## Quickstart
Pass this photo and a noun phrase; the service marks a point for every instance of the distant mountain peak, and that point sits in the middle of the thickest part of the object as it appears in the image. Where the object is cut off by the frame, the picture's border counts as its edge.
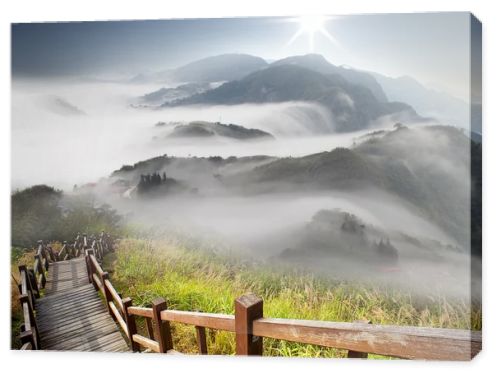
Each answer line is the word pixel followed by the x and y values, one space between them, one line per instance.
pixel 224 67
pixel 320 64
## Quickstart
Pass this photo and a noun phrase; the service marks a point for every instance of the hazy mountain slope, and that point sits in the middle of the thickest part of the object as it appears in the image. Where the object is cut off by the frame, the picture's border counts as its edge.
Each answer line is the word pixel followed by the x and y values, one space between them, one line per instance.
pixel 353 106
pixel 203 129
pixel 337 169
pixel 427 102
pixel 225 67
pixel 61 106
pixel 319 64
pixel 163 95
pixel 428 168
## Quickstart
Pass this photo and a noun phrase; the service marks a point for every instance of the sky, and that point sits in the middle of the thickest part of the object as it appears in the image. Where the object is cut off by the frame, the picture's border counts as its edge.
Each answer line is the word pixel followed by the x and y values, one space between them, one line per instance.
pixel 431 47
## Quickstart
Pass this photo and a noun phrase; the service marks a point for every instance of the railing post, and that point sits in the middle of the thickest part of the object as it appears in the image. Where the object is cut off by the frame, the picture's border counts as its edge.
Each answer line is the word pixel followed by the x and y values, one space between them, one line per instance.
pixel 34 328
pixel 88 264
pixel 131 326
pixel 33 283
pixel 247 308
pixel 42 252
pixel 161 328
pixel 201 339
pixel 149 328
pixel 41 270
pixel 31 294
pixel 92 270
pixel 51 253
pixel 107 293
pixel 358 354
pixel 26 336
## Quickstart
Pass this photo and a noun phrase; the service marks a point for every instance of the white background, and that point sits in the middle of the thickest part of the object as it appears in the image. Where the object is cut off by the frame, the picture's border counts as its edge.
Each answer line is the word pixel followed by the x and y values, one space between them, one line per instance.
pixel 14 362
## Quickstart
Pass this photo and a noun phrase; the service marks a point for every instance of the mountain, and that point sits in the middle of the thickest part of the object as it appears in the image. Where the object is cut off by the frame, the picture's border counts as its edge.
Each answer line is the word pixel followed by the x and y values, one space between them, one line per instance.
pixel 353 106
pixel 164 95
pixel 342 235
pixel 219 68
pixel 204 129
pixel 225 67
pixel 428 102
pixel 426 168
pixel 61 106
pixel 318 63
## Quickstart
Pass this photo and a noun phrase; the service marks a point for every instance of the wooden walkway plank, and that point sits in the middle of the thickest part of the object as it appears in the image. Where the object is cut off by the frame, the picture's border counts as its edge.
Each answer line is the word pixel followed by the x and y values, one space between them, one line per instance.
pixel 72 316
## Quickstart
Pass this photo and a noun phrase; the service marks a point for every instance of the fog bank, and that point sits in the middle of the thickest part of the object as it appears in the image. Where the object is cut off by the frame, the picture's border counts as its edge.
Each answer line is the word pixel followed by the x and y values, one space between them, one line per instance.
pixel 75 132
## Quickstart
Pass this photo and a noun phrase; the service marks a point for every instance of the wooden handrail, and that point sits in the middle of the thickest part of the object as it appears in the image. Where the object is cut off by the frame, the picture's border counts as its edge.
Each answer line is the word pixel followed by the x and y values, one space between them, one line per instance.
pixel 32 281
pixel 206 320
pixel 397 341
pixel 146 342
pixel 98 282
pixel 249 325
pixel 96 265
pixel 114 294
pixel 119 318
pixel 29 330
pixel 141 311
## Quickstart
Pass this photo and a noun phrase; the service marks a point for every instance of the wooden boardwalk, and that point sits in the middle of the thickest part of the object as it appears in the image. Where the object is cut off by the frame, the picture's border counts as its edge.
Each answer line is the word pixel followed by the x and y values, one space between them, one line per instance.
pixel 71 316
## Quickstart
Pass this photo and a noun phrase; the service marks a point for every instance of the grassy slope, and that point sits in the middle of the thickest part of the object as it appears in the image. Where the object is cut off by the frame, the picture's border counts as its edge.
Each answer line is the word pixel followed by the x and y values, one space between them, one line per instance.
pixel 198 281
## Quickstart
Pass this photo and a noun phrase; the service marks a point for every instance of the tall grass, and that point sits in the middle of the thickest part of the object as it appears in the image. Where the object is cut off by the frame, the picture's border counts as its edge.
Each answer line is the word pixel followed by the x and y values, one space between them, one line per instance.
pixel 193 280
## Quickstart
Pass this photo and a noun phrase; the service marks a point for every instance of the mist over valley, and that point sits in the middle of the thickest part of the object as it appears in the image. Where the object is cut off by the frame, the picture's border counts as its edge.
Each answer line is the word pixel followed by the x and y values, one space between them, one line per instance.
pixel 299 162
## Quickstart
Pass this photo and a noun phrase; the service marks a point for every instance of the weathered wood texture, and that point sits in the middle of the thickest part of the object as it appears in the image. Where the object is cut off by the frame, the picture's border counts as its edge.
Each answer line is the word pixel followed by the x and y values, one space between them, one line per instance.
pixel 399 341
pixel 71 316
pixel 66 275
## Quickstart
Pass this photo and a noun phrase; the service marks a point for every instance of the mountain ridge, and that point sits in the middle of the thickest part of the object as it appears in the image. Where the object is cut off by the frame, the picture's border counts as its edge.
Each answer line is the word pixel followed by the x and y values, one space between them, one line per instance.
pixel 353 106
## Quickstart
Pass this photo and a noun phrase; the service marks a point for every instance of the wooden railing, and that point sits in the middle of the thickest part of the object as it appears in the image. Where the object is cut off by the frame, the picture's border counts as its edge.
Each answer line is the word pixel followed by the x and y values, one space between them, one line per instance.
pixel 250 327
pixel 359 338
pixel 28 290
pixel 33 280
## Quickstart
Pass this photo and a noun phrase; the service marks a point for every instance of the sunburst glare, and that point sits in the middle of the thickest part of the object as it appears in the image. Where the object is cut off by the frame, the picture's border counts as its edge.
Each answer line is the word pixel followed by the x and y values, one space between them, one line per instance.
pixel 310 25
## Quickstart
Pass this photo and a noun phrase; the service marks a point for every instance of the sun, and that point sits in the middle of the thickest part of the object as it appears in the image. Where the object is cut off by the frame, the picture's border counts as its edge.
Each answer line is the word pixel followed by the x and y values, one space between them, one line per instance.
pixel 311 25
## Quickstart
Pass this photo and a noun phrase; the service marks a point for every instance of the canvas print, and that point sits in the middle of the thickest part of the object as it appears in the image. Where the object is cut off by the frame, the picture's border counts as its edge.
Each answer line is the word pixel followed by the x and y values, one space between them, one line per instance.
pixel 304 186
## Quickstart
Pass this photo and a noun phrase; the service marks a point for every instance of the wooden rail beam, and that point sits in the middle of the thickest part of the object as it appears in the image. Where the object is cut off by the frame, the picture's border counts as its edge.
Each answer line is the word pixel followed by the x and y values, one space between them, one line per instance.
pixel 142 312
pixel 398 341
pixel 207 320
pixel 114 294
pixel 147 343
pixel 358 354
pixel 107 293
